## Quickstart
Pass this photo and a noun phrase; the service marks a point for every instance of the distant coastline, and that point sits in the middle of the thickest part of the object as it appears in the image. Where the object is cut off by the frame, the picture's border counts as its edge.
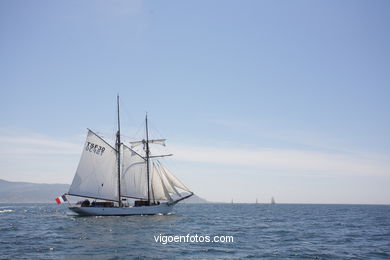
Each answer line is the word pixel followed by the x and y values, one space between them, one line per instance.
pixel 27 192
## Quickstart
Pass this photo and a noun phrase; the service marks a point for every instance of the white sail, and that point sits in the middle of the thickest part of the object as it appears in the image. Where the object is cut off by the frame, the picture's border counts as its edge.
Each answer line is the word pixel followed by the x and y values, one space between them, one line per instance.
pixel 158 190
pixel 135 144
pixel 158 141
pixel 173 180
pixel 97 173
pixel 165 181
pixel 134 175
pixel 155 141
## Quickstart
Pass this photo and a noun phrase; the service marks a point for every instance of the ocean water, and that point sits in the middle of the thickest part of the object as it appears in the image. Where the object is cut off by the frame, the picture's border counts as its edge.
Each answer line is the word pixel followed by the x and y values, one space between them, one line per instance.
pixel 281 231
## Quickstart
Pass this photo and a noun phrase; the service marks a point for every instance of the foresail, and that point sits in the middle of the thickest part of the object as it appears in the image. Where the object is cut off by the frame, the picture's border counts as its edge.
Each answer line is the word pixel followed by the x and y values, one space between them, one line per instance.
pixel 158 189
pixel 134 175
pixel 96 174
pixel 164 184
pixel 172 179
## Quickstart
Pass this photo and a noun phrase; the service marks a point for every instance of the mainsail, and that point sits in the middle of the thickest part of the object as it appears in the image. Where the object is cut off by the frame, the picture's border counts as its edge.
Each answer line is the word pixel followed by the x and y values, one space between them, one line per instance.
pixel 96 175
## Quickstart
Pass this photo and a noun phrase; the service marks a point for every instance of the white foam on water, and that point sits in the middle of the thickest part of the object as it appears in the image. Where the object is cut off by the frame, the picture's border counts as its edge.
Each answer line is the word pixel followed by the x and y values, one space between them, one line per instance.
pixel 6 211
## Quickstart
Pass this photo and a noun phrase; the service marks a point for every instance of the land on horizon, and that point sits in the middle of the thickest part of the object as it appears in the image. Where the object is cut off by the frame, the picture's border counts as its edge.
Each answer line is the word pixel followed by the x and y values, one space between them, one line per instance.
pixel 27 192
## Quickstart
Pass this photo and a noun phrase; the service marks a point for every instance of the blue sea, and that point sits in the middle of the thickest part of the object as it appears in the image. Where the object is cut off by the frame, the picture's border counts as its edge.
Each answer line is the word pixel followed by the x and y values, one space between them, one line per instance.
pixel 281 231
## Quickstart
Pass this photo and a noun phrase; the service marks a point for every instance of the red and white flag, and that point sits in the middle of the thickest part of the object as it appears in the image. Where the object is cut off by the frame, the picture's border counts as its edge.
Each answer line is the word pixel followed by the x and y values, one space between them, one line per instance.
pixel 61 199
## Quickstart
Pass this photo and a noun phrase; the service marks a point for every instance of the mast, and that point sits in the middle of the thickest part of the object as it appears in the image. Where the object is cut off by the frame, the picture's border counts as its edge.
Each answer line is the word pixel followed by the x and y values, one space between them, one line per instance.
pixel 147 155
pixel 118 146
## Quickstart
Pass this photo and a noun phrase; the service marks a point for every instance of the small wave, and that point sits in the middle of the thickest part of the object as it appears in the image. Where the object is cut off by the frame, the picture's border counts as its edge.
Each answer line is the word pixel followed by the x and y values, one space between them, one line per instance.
pixel 6 211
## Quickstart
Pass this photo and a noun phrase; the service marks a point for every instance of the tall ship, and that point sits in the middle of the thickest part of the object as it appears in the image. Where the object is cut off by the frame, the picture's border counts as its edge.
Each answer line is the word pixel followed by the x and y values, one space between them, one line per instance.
pixel 118 180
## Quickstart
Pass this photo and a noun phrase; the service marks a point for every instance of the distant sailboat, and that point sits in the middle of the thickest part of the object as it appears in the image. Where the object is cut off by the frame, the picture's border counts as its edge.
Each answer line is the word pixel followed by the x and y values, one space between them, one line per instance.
pixel 273 200
pixel 112 174
pixel 256 201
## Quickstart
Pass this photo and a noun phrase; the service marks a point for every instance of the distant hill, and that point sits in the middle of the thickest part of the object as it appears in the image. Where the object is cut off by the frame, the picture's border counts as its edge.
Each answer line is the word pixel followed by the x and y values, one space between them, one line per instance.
pixel 27 192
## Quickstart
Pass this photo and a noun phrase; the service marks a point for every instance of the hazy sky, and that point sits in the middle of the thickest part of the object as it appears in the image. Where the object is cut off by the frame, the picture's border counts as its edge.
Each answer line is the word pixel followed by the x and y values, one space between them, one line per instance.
pixel 256 98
